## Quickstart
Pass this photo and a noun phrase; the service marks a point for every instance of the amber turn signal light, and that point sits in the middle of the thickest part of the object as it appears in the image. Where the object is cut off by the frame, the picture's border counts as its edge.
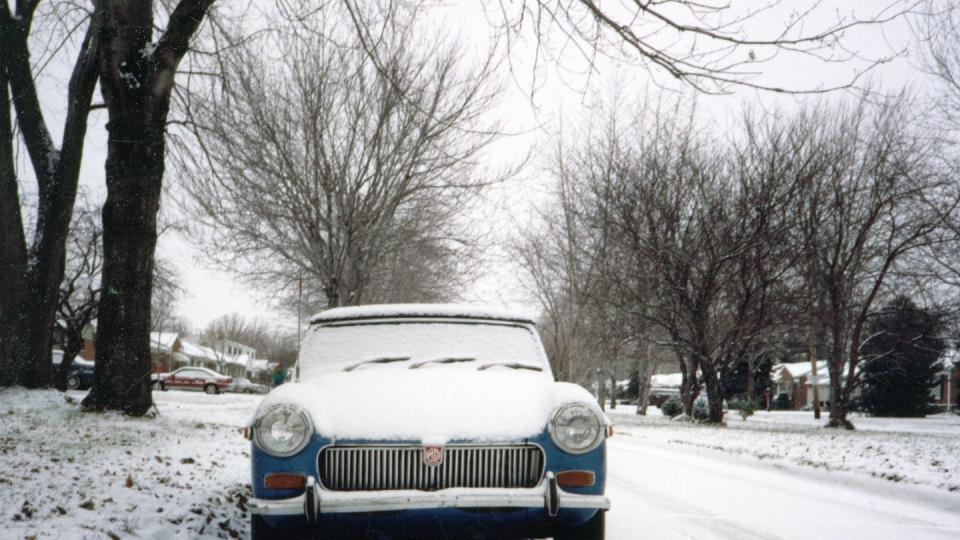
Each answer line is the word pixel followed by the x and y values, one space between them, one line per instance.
pixel 284 481
pixel 575 479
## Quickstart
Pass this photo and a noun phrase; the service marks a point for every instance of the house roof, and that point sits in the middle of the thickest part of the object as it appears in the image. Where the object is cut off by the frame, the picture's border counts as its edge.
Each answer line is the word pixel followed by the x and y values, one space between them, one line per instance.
pixel 797 370
pixel 667 380
pixel 162 341
pixel 194 350
pixel 260 364
pixel 393 311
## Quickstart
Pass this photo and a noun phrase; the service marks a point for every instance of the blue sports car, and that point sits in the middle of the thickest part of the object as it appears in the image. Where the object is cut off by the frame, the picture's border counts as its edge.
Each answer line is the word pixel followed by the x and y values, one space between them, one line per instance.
pixel 427 421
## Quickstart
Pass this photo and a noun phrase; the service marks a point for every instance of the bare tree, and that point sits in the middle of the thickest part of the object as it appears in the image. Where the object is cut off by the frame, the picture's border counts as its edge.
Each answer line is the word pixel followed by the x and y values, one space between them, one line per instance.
pixel 136 77
pixel 874 192
pixel 711 46
pixel 80 289
pixel 939 31
pixel 236 327
pixel 167 291
pixel 316 165
pixel 688 232
pixel 31 271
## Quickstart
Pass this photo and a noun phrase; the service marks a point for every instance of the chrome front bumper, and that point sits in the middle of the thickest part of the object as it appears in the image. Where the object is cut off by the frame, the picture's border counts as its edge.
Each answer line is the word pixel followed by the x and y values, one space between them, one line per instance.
pixel 316 500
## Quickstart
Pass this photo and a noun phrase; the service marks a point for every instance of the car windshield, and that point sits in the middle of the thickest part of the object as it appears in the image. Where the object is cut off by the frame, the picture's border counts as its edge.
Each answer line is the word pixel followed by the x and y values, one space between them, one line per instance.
pixel 427 345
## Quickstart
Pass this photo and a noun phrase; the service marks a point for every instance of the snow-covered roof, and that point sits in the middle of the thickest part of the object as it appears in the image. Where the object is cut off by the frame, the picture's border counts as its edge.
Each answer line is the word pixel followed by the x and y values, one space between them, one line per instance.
pixel 389 311
pixel 260 364
pixel 194 350
pixel 667 380
pixel 162 341
pixel 797 369
pixel 950 358
pixel 239 360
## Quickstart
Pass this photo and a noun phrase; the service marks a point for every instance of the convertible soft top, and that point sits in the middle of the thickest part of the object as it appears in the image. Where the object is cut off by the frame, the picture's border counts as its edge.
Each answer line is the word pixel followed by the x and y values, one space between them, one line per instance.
pixel 431 311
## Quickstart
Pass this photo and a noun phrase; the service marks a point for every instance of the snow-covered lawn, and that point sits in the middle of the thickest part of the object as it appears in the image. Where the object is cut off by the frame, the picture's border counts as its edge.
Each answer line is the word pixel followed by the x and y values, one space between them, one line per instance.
pixel 68 474
pixel 922 451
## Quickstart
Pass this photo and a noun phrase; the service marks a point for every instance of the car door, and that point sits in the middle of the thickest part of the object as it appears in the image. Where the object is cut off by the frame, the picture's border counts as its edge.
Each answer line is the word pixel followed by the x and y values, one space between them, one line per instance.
pixel 197 378
pixel 181 378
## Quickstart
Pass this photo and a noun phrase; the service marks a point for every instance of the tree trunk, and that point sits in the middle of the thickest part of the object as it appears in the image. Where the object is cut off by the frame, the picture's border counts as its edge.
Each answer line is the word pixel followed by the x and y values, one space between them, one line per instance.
pixel 838 405
pixel 601 392
pixel 812 358
pixel 136 79
pixel 332 290
pixel 689 386
pixel 751 378
pixel 613 392
pixel 26 338
pixel 714 395
pixel 13 247
pixel 644 373
pixel 73 344
pixel 30 279
pixel 134 174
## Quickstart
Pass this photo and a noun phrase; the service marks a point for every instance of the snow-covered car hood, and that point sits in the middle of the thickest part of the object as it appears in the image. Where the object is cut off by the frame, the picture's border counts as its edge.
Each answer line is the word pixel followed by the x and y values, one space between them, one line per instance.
pixel 433 406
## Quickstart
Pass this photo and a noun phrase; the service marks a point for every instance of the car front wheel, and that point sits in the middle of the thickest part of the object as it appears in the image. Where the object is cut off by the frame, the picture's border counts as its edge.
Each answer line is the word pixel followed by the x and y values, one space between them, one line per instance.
pixel 211 389
pixel 73 382
pixel 591 530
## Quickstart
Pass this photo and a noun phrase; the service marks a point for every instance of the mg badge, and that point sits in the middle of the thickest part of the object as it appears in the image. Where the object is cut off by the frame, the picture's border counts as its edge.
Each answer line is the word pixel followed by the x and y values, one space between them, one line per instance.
pixel 432 455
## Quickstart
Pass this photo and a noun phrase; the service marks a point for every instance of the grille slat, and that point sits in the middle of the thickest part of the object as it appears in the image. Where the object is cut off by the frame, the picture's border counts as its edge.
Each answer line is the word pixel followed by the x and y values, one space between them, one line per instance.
pixel 361 468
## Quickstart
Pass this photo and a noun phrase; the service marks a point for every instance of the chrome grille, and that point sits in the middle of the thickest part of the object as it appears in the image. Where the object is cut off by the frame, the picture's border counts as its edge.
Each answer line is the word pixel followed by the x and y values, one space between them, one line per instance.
pixel 355 468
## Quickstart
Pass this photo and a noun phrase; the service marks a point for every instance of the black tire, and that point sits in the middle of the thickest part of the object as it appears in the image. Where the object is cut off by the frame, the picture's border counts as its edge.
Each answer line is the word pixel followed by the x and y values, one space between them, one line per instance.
pixel 73 382
pixel 211 389
pixel 259 530
pixel 163 387
pixel 591 530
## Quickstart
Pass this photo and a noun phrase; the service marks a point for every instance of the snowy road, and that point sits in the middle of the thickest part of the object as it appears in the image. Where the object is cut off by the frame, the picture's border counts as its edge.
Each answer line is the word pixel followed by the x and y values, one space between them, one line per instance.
pixel 662 490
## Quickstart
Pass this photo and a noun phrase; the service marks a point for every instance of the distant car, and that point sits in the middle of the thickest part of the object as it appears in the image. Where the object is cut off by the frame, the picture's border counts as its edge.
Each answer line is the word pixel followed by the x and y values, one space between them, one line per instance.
pixel 194 378
pixel 80 375
pixel 242 385
pixel 414 421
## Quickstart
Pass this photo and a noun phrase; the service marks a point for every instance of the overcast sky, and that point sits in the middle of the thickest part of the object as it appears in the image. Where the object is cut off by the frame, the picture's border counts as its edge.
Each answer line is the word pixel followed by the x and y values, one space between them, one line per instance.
pixel 564 96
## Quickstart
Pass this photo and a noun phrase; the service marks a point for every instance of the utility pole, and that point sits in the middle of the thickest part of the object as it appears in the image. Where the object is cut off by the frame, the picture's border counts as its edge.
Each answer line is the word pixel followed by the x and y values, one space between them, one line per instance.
pixel 811 354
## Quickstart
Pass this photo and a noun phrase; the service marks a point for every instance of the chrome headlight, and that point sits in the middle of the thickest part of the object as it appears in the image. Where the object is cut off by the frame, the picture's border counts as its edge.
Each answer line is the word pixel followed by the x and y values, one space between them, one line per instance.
pixel 576 429
pixel 283 430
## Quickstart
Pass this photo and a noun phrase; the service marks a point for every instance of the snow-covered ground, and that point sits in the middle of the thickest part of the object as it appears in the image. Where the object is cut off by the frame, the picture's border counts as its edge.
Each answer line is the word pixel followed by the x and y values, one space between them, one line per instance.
pixel 66 474
pixel 920 451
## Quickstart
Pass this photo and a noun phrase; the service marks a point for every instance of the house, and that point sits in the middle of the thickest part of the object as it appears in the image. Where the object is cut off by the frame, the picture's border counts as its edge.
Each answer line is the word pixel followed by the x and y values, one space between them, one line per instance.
pixel 165 352
pixel 260 370
pixel 796 381
pixel 946 393
pixel 89 332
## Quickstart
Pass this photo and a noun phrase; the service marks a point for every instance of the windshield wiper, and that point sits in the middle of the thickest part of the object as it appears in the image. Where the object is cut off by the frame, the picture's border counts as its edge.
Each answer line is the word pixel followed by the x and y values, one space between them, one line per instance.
pixel 383 360
pixel 512 365
pixel 447 360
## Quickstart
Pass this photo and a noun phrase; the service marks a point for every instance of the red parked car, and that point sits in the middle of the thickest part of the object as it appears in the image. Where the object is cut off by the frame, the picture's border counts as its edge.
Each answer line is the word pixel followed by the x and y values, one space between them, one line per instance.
pixel 194 378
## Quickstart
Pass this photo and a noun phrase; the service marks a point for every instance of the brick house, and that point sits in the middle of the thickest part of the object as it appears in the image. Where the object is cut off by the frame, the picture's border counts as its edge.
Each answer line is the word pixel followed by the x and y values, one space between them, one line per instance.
pixel 946 393
pixel 796 381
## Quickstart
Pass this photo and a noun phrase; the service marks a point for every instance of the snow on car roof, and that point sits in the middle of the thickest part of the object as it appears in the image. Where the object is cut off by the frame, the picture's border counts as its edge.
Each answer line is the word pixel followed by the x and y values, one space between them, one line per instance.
pixel 390 311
